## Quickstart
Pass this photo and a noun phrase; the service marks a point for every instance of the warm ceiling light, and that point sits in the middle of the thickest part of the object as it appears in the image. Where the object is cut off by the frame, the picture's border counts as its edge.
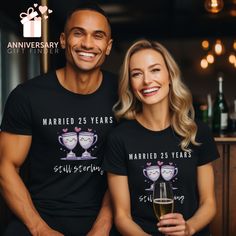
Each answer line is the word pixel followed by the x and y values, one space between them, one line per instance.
pixel 218 47
pixel 210 58
pixel 205 44
pixel 204 63
pixel 234 45
pixel 214 6
pixel 232 59
pixel 215 50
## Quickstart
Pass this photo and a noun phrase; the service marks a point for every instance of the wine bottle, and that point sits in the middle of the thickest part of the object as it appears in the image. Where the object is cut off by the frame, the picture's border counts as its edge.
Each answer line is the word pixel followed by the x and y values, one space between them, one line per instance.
pixel 232 117
pixel 209 110
pixel 220 110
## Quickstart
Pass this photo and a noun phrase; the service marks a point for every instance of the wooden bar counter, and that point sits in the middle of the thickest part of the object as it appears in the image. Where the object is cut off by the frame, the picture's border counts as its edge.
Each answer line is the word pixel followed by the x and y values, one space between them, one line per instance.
pixel 224 223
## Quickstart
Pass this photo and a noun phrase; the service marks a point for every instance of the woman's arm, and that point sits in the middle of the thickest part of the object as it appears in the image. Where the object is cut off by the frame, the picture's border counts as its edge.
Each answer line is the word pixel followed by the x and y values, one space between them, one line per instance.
pixel 118 185
pixel 207 202
pixel 205 213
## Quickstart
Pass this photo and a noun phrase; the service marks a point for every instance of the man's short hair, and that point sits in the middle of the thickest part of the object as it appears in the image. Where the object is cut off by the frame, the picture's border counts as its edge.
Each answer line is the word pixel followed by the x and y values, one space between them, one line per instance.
pixel 90 5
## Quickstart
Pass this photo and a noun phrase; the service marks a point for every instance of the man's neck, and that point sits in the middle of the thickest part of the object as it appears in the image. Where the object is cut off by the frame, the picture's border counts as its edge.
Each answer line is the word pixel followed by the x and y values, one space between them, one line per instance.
pixel 80 82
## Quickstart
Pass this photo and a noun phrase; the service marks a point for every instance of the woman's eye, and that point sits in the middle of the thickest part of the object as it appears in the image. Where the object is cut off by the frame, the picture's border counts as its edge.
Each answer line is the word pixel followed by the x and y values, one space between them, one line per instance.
pixel 155 70
pixel 135 74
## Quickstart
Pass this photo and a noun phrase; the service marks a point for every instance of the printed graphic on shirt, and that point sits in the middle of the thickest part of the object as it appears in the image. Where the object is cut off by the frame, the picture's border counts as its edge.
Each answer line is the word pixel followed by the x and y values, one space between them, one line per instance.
pixel 93 120
pixel 159 165
pixel 153 172
pixel 161 155
pixel 86 139
pixel 78 140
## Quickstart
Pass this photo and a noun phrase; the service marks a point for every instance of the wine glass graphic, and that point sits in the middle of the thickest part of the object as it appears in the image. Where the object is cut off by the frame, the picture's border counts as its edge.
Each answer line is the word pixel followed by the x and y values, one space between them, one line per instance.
pixel 168 172
pixel 86 140
pixel 69 140
pixel 152 173
pixel 163 198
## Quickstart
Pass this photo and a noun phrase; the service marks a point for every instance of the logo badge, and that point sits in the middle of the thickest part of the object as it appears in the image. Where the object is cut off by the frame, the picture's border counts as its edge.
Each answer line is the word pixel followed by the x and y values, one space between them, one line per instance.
pixel 32 20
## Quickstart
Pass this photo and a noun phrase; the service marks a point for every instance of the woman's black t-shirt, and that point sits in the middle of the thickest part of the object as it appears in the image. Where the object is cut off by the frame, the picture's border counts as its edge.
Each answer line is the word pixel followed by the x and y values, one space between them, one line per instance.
pixel 145 156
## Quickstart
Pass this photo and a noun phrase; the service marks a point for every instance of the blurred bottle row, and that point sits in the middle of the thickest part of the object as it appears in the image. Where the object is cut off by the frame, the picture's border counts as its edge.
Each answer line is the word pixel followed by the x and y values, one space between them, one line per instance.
pixel 216 113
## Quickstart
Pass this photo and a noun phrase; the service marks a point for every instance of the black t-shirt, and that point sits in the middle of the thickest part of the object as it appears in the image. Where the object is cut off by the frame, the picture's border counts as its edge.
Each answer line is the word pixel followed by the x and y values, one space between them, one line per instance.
pixel 68 137
pixel 145 156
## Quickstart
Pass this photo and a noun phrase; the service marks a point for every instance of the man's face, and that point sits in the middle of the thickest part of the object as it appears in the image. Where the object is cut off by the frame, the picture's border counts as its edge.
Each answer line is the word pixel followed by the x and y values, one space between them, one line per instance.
pixel 87 40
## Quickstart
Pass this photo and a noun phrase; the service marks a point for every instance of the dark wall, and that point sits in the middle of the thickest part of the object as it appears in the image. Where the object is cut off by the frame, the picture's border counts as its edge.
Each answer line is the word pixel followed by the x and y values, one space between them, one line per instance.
pixel 188 54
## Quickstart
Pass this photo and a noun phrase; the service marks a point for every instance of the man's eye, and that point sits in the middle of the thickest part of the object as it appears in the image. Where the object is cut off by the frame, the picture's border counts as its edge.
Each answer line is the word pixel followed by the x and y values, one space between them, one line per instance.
pixel 78 33
pixel 99 36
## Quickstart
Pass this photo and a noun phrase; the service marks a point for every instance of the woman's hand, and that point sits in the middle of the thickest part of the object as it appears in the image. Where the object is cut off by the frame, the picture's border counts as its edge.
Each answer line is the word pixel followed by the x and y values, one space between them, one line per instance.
pixel 173 224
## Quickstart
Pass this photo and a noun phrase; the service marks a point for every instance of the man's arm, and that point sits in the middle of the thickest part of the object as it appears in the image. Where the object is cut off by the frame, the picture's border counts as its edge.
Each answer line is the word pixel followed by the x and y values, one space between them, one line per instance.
pixel 13 151
pixel 103 223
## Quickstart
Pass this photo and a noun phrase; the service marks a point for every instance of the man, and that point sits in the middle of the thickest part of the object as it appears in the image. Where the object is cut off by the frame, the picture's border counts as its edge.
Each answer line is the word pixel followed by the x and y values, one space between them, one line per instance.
pixel 59 122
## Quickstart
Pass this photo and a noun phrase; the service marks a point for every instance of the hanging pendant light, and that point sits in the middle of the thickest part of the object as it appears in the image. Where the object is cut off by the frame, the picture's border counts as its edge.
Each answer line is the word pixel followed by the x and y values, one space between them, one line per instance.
pixel 214 6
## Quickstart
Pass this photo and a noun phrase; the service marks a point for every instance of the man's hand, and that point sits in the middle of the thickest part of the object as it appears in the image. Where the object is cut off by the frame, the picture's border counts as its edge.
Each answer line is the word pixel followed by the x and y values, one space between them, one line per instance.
pixel 103 222
pixel 100 230
pixel 51 232
pixel 46 231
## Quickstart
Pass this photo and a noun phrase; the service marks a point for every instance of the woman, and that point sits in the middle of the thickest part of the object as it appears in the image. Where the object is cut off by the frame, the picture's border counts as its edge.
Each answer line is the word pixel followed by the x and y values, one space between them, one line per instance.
pixel 158 134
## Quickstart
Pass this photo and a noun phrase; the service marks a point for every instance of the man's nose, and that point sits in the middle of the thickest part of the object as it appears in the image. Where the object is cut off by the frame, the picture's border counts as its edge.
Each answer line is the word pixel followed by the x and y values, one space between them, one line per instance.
pixel 87 42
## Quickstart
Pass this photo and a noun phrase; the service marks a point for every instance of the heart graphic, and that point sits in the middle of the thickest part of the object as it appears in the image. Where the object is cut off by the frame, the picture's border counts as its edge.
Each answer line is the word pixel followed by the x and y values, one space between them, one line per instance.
pixel 45 17
pixel 170 163
pixel 43 9
pixel 37 18
pixel 159 163
pixel 77 129
pixel 35 4
pixel 49 11
pixel 149 163
pixel 64 130
pixel 89 130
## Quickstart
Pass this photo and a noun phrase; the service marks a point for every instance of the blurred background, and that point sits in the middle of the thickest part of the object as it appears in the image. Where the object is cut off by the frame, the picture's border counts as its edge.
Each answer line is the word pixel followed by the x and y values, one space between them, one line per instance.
pixel 193 31
pixel 200 34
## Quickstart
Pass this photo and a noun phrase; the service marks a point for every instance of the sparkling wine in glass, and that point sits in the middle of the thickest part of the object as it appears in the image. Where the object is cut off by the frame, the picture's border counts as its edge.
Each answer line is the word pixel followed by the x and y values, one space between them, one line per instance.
pixel 163 198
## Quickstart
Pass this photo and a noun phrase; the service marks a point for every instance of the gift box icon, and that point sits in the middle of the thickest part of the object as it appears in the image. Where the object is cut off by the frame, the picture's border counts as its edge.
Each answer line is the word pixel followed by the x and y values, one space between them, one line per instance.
pixel 31 23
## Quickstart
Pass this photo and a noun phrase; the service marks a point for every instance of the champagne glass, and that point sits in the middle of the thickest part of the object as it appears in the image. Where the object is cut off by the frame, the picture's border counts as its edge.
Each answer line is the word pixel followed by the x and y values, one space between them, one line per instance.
pixel 163 198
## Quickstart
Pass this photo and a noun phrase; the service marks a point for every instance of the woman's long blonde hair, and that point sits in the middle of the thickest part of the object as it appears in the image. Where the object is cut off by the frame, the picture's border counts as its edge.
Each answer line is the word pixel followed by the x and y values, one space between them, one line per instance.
pixel 180 99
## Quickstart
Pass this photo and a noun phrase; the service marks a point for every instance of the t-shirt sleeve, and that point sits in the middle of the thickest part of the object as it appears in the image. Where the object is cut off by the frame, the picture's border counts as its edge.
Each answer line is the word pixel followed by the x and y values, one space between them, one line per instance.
pixel 17 116
pixel 114 159
pixel 207 150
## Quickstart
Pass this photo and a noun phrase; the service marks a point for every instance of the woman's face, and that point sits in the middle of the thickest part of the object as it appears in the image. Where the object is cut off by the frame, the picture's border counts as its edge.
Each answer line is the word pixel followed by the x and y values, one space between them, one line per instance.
pixel 149 77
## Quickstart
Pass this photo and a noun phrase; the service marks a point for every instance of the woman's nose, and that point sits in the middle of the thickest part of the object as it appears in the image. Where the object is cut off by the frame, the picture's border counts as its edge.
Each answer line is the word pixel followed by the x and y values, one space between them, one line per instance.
pixel 146 78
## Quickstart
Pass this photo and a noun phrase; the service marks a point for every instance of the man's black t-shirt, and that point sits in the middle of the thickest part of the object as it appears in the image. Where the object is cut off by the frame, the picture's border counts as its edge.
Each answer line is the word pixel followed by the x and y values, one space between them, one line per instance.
pixel 68 137
pixel 145 156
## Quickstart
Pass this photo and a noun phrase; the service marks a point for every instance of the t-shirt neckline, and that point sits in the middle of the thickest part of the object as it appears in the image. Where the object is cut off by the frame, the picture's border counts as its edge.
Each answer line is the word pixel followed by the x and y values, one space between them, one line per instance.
pixel 78 94
pixel 159 132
